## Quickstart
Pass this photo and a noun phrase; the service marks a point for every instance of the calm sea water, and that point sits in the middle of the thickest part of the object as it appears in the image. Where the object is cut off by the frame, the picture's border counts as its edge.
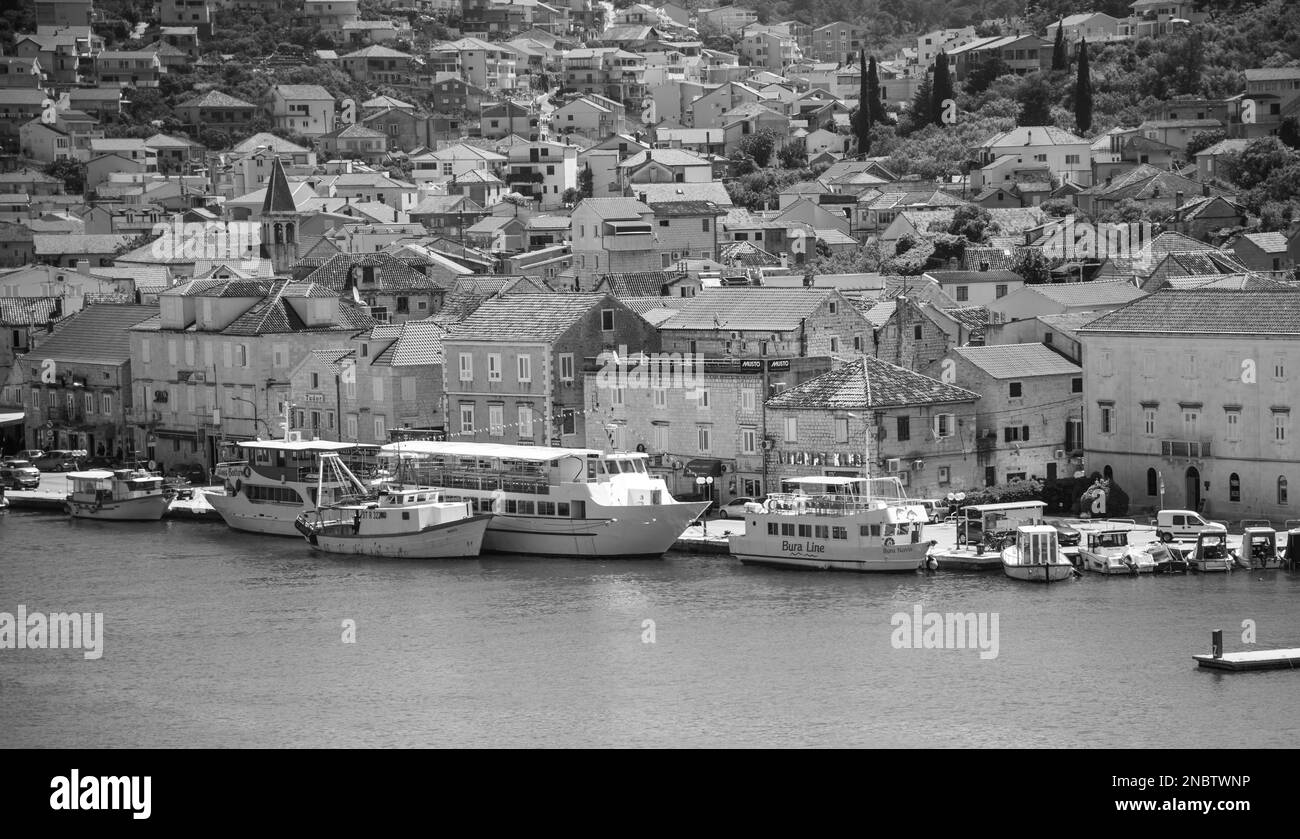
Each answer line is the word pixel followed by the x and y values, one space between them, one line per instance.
pixel 216 638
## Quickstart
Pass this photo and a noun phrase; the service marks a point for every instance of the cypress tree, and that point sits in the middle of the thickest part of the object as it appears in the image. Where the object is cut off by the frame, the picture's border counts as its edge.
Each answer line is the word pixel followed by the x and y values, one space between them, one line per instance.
pixel 875 113
pixel 862 120
pixel 1083 91
pixel 1060 57
pixel 942 88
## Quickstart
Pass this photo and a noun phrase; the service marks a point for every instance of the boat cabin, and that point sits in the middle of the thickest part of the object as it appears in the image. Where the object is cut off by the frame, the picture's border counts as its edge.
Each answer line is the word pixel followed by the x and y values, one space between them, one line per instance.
pixel 1259 544
pixel 114 484
pixel 1212 544
pixel 1107 539
pixel 1037 545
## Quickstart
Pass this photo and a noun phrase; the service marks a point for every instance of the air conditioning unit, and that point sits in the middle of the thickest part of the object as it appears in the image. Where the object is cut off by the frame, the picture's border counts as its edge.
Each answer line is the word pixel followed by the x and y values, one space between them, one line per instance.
pixel 1059 454
pixel 918 465
pixel 160 396
pixel 295 436
pixel 892 465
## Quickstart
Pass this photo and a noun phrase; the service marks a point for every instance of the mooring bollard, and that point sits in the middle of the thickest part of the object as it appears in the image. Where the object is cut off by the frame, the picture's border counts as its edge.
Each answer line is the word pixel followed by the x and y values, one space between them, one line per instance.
pixel 1216 643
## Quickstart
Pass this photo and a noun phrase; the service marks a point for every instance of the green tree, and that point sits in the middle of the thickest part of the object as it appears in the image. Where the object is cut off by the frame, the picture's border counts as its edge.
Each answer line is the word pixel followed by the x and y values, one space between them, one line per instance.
pixel 586 182
pixel 1083 91
pixel 1035 96
pixel 1289 132
pixel 1033 266
pixel 793 155
pixel 971 222
pixel 875 109
pixel 1201 141
pixel 71 172
pixel 942 88
pixel 1060 52
pixel 862 116
pixel 759 146
pixel 979 79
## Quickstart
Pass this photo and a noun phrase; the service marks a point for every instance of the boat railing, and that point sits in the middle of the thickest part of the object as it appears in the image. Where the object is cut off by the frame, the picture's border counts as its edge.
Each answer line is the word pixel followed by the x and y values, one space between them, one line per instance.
pixel 229 469
pixel 827 504
pixel 527 483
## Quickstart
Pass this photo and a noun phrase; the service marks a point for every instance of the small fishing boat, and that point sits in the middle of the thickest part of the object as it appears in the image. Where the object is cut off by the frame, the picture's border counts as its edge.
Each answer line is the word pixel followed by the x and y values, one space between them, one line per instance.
pixel 1160 557
pixel 1259 548
pixel 1108 552
pixel 410 522
pixel 1212 553
pixel 1036 556
pixel 118 495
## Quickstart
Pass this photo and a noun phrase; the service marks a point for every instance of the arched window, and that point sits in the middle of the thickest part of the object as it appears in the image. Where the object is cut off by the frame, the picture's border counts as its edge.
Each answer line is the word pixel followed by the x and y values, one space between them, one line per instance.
pixel 288 233
pixel 1234 487
pixel 279 233
pixel 1153 483
pixel 1108 473
pixel 1281 489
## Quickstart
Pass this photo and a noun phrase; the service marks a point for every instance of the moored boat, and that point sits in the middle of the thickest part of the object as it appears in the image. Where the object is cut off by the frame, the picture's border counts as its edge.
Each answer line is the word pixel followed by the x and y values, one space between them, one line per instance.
pixel 835 524
pixel 1107 551
pixel 1211 553
pixel 117 495
pixel 410 522
pixel 1036 556
pixel 552 501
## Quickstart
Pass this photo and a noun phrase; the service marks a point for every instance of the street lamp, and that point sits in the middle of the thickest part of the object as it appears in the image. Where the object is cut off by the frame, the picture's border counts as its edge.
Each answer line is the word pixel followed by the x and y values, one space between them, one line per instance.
pixel 256 419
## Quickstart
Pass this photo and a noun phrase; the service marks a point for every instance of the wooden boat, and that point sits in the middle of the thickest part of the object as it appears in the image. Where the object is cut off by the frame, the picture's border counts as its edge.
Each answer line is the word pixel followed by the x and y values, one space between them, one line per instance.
pixel 117 495
pixel 1036 556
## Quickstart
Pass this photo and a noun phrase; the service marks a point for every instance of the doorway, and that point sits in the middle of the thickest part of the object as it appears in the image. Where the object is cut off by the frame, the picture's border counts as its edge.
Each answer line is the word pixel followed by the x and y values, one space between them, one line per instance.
pixel 1193 489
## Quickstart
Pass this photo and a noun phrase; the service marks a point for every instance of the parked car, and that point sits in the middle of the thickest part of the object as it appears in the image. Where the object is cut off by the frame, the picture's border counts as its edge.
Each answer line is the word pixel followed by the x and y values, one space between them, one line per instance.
pixel 57 460
pixel 736 507
pixel 19 474
pixel 1181 525
pixel 935 509
pixel 29 454
pixel 1067 536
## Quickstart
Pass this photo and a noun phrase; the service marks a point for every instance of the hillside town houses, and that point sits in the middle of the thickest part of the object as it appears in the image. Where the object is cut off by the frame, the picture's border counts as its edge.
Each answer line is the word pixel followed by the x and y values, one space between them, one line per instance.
pixel 479 234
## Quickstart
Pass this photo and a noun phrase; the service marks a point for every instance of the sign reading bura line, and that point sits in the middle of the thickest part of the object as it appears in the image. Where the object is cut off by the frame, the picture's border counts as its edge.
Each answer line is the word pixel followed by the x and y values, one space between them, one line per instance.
pixel 1087 240
pixel 228 241
pixel 642 371
pixel 55 631
pixel 921 630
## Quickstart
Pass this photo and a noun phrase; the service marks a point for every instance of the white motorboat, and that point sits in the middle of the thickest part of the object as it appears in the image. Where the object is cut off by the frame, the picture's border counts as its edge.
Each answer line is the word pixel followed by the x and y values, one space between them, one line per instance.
pixel 117 495
pixel 1107 551
pixel 835 524
pixel 1036 556
pixel 554 501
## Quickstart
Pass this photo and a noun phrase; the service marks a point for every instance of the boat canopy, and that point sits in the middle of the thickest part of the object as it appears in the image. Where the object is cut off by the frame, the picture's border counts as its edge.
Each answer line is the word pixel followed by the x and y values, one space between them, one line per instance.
pixel 824 480
pixel 304 445
pixel 91 475
pixel 536 454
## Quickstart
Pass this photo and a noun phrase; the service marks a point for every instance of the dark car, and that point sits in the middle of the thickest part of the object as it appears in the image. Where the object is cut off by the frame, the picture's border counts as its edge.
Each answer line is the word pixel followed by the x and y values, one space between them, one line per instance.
pixel 19 474
pixel 1067 536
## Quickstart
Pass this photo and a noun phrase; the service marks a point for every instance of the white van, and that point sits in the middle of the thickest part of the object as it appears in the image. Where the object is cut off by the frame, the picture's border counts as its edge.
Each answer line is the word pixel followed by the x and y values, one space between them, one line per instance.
pixel 1182 525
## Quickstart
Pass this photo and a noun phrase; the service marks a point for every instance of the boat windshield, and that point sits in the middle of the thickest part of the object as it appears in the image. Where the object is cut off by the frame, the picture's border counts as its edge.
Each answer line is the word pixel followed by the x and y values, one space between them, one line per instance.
pixel 1112 540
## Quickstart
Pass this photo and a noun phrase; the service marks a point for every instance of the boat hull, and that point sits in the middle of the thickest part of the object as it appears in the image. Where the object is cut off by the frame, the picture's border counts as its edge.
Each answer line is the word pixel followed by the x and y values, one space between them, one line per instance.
pixel 902 559
pixel 1211 566
pixel 149 508
pixel 241 514
pixel 620 532
pixel 966 560
pixel 1039 573
pixel 463 538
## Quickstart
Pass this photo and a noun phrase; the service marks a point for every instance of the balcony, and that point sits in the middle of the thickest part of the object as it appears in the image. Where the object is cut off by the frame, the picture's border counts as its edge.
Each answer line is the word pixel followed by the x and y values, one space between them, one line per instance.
pixel 1193 449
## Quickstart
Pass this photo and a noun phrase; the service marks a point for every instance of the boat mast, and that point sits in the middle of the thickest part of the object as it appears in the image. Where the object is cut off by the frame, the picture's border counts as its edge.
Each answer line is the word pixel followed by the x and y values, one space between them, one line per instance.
pixel 868 421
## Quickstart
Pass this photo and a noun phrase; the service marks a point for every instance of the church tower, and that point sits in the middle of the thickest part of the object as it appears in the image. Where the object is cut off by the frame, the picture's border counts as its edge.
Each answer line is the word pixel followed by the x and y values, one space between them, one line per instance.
pixel 280 220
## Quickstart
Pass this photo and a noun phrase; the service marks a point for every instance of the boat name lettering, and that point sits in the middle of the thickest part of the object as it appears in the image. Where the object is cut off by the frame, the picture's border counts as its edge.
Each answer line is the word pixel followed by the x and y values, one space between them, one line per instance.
pixel 800 547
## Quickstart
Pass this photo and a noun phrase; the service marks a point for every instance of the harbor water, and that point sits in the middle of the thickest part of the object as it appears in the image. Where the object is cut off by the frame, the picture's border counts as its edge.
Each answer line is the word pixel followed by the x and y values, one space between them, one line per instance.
pixel 218 638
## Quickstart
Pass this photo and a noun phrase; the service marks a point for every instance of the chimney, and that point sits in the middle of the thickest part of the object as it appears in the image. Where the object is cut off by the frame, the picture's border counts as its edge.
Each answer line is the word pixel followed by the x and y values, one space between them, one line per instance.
pixel 984 266
pixel 83 267
pixel 1178 199
pixel 1205 190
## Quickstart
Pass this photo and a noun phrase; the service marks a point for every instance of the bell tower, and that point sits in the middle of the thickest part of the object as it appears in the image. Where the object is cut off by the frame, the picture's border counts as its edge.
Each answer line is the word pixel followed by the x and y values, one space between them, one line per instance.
pixel 280 219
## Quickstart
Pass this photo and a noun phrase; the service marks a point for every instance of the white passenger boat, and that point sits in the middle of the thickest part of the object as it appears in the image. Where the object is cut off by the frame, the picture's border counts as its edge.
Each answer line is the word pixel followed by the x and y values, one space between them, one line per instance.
pixel 1036 556
pixel 278 482
pixel 835 524
pixel 554 501
pixel 398 521
pixel 1212 552
pixel 1107 551
pixel 117 495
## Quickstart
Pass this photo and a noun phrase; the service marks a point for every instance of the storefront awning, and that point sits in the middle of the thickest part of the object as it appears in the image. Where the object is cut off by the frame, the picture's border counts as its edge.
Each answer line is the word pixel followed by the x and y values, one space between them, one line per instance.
pixel 11 418
pixel 703 468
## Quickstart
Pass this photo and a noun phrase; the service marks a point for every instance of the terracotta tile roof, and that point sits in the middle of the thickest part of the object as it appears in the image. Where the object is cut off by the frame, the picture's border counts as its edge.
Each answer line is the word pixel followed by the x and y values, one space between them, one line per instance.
pixel 215 99
pixel 419 342
pixel 640 284
pixel 748 307
pixel 526 317
pixel 1206 311
pixel 27 311
pixel 1099 293
pixel 392 274
pixel 891 386
pixel 97 334
pixel 1267 242
pixel 1016 361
